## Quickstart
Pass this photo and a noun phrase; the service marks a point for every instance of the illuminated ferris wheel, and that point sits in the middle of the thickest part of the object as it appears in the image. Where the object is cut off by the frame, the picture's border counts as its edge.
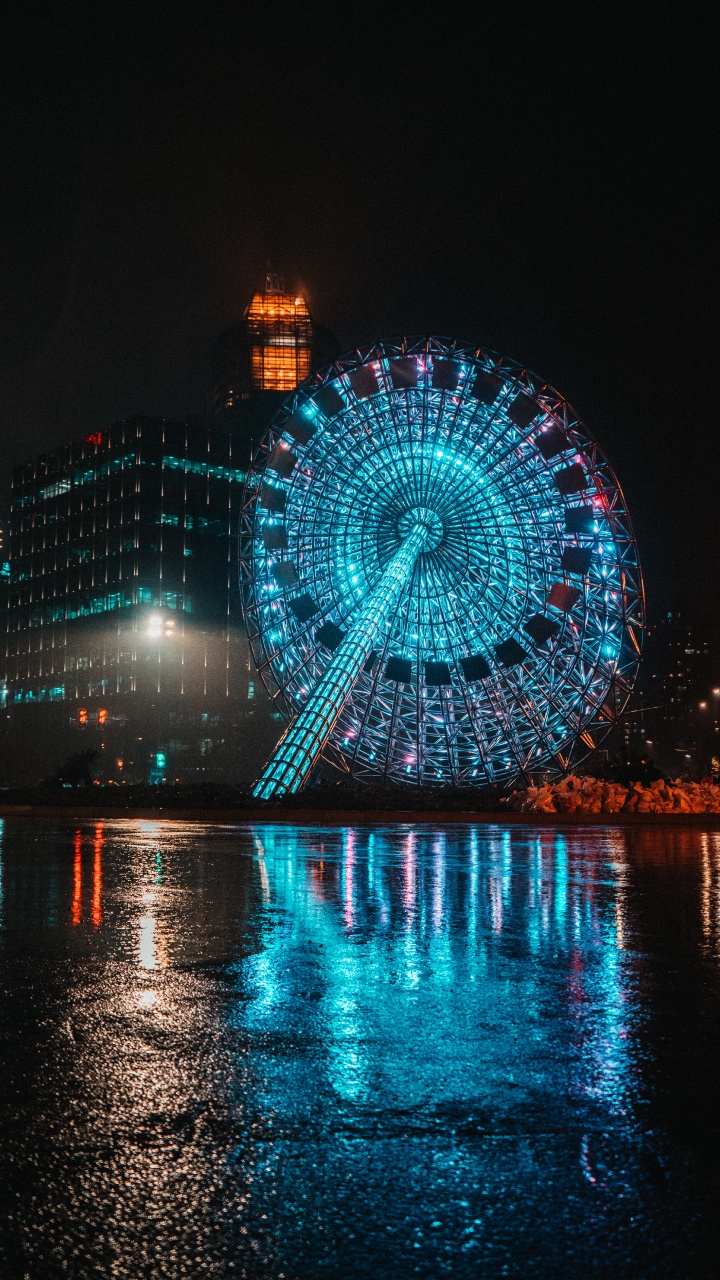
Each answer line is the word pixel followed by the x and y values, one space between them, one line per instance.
pixel 440 579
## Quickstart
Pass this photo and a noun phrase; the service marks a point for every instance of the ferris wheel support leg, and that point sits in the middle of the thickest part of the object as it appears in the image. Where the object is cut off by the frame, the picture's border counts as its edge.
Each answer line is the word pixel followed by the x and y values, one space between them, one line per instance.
pixel 300 747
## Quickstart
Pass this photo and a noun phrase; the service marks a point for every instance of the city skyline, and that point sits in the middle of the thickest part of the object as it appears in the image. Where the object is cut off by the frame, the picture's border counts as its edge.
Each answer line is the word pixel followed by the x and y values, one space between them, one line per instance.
pixel 245 388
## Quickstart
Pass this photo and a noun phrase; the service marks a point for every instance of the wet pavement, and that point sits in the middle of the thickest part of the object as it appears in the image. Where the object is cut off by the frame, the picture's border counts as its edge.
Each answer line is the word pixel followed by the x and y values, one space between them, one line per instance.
pixel 298 1052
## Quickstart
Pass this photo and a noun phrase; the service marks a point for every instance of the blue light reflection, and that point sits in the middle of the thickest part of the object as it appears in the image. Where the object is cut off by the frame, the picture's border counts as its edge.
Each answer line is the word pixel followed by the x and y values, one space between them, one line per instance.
pixel 432 968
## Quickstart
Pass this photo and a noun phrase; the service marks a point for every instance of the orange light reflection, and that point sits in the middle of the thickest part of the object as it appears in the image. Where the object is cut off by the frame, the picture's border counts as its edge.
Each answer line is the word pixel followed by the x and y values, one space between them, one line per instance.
pixel 76 906
pixel 96 913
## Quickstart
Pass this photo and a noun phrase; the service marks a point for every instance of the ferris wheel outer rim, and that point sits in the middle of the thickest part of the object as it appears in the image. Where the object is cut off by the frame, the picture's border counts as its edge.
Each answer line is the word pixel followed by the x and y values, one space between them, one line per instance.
pixel 619 687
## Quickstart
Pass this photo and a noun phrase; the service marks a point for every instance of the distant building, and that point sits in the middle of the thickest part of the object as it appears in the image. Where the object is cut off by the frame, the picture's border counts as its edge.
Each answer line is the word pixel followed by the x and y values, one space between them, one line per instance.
pixel 124 610
pixel 257 362
pixel 675 714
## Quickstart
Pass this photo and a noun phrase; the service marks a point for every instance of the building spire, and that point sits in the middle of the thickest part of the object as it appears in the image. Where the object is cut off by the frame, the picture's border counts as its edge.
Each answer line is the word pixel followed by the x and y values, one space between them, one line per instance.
pixel 274 280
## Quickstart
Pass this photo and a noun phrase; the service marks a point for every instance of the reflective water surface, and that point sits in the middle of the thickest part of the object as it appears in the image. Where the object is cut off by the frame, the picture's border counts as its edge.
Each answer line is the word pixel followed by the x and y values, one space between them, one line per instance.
pixel 299 1052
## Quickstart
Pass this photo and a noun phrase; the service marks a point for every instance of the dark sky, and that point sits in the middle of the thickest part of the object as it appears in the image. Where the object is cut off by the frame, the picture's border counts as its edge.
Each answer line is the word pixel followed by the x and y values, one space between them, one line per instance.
pixel 537 182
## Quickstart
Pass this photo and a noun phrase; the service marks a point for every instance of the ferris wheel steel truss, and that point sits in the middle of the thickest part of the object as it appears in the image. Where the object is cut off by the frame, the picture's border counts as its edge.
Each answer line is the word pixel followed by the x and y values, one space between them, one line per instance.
pixel 511 645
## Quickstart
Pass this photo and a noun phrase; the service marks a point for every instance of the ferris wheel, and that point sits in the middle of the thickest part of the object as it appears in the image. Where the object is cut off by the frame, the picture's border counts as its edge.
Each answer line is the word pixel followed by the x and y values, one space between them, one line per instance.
pixel 440 579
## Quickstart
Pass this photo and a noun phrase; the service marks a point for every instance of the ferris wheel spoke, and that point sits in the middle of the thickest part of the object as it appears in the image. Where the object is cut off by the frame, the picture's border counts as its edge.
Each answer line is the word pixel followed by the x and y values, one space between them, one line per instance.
pixel 450 646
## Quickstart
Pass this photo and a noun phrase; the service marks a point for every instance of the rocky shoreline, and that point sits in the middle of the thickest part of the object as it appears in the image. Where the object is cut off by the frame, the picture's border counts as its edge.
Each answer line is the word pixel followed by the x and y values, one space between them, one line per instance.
pixel 593 796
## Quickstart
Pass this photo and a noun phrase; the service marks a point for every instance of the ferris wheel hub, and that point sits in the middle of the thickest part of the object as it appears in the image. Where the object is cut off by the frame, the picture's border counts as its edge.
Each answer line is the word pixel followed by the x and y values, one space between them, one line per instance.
pixel 423 516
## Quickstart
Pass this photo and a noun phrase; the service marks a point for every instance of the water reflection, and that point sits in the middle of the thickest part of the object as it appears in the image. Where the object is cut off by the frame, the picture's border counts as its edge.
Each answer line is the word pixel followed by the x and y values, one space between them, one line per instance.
pixel 76 905
pixel 386 914
pixel 278 1051
pixel 710 843
pixel 96 912
pixel 79 851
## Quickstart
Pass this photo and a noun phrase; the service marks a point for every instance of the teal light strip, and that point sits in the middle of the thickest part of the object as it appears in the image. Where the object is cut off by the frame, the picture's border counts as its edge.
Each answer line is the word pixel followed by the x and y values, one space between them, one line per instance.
pixel 300 746
pixel 215 472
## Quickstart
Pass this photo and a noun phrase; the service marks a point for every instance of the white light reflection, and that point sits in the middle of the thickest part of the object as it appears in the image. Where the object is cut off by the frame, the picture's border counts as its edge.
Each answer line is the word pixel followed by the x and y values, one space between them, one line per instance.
pixel 600 993
pixel 147 946
pixel 409 877
pixel 474 877
pixel 710 892
pixel 495 887
pixel 706 887
pixel 561 881
pixel 151 945
pixel 438 898
pixel 264 882
pixel 715 843
pixel 348 877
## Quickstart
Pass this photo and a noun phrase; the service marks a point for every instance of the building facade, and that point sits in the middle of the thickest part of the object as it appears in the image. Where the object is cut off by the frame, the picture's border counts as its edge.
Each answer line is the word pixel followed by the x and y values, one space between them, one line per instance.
pixel 124 627
pixel 677 713
pixel 119 578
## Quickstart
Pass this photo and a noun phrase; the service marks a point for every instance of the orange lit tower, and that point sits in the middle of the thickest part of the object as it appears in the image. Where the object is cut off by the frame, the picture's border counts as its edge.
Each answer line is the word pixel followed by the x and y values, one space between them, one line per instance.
pixel 259 360
pixel 280 335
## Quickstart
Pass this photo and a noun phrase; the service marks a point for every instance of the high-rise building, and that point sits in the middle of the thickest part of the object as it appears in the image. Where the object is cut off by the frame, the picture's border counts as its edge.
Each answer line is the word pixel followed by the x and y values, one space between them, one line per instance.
pixel 124 610
pixel 675 716
pixel 280 338
pixel 121 580
pixel 257 362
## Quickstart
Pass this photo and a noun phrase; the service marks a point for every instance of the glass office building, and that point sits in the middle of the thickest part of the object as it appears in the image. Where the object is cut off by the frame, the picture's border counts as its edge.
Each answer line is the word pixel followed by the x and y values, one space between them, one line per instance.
pixel 123 602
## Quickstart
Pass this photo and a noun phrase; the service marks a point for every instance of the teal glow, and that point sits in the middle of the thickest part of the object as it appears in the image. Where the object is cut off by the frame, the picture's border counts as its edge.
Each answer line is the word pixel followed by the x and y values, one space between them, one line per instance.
pixel 300 747
pixel 383 449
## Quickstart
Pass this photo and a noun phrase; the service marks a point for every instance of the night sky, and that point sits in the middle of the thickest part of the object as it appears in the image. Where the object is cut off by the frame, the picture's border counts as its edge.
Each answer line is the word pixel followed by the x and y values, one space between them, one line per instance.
pixel 541 187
